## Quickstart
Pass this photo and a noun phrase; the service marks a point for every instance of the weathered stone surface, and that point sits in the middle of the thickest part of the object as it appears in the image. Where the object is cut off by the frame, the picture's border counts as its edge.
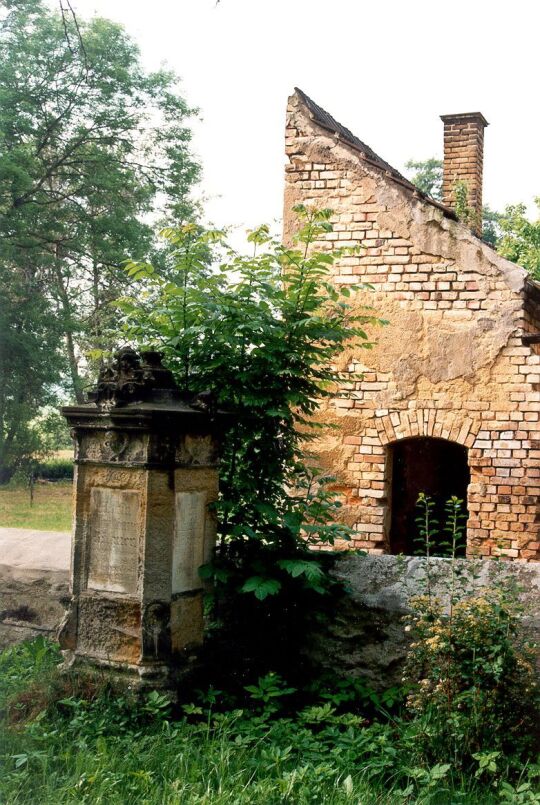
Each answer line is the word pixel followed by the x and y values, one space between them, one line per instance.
pixel 109 629
pixel 366 637
pixel 188 544
pixel 110 446
pixel 146 472
pixel 187 622
pixel 115 525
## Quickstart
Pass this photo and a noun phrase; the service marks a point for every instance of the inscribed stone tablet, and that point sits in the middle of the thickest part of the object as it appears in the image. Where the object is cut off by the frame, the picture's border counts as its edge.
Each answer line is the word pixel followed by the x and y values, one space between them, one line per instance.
pixel 188 547
pixel 113 535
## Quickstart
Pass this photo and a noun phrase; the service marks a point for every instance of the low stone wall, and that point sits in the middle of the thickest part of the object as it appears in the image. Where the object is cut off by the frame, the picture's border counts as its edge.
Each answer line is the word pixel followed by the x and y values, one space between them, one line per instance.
pixel 34 581
pixel 363 637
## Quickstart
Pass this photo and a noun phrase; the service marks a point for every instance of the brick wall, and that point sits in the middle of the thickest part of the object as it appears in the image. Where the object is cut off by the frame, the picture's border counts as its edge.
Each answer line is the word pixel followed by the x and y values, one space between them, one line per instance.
pixel 451 363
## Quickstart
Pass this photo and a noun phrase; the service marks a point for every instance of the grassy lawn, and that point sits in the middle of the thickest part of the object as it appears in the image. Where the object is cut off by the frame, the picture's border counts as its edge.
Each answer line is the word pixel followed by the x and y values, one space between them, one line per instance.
pixel 51 510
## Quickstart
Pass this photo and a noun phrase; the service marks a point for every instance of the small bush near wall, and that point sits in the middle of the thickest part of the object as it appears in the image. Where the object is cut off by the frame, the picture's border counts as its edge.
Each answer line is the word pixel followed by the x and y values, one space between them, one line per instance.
pixel 471 675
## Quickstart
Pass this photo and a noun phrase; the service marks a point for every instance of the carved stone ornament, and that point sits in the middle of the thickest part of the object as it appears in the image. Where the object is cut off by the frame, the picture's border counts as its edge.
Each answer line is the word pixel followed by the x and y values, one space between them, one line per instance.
pixel 114 444
pixel 131 378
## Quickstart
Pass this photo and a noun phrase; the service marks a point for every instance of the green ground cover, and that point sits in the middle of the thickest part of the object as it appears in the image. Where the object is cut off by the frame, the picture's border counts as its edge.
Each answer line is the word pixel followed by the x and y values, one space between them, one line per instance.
pixel 72 741
pixel 50 511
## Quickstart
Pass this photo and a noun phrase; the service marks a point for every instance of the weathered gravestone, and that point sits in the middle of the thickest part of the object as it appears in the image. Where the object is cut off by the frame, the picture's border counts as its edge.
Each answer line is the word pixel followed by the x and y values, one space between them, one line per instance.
pixel 146 476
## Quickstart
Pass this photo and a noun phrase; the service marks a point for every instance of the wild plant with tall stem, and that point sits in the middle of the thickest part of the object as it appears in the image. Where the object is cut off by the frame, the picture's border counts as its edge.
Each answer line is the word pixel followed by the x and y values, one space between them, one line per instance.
pixel 263 333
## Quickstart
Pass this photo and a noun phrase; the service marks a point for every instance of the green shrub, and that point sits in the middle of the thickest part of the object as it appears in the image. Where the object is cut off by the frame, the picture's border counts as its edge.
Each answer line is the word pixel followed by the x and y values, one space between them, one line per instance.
pixel 55 469
pixel 263 333
pixel 474 695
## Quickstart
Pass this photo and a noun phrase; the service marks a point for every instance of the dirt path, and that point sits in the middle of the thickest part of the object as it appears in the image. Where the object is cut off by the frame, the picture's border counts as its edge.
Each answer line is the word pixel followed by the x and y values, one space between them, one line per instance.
pixel 36 550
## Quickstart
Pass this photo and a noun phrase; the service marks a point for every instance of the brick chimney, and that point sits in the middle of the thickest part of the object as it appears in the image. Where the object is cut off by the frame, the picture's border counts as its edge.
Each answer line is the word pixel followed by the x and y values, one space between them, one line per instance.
pixel 464 161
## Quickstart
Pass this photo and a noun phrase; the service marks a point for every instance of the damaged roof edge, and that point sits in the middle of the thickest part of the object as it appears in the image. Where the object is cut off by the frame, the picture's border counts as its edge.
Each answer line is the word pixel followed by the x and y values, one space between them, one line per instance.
pixel 325 121
pixel 532 290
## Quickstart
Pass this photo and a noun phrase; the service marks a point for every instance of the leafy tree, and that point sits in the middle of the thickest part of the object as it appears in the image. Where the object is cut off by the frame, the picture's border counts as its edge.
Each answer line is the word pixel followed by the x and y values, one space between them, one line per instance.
pixel 520 238
pixel 30 362
pixel 262 334
pixel 91 147
pixel 427 176
pixel 491 225
pixel 92 150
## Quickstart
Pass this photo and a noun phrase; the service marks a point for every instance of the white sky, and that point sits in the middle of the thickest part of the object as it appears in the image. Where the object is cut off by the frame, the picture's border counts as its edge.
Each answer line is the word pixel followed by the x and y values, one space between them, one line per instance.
pixel 386 69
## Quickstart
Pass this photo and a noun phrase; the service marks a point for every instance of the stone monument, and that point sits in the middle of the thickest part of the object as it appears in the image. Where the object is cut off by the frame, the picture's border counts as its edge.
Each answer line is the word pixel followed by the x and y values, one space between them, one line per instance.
pixel 146 475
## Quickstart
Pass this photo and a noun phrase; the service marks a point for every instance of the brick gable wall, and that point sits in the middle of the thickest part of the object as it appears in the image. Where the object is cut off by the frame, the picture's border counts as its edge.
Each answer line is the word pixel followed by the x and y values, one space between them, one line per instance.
pixel 451 364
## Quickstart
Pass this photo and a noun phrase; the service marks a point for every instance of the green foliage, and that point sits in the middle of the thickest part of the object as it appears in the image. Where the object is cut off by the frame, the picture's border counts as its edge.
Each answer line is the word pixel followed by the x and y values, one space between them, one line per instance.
pixel 473 689
pixel 261 587
pixel 427 525
pixel 464 212
pixel 427 176
pixel 92 148
pixel 491 226
pixel 261 333
pixel 24 663
pixel 112 747
pixel 435 538
pixel 520 238
pixel 55 469
pixel 268 692
pixel 30 364
pixel 474 695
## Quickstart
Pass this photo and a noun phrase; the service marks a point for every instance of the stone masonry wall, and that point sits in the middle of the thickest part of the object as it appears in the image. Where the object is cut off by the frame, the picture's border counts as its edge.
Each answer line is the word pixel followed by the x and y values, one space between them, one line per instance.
pixel 451 363
pixel 366 638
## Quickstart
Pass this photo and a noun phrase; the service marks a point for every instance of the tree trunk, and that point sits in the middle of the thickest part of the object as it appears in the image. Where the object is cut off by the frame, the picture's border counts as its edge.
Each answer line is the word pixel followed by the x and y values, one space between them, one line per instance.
pixel 70 343
pixel 74 367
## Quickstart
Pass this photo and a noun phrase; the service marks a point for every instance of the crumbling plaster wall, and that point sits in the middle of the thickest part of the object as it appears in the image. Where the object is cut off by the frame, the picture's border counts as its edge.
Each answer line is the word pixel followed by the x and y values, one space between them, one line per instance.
pixel 365 637
pixel 451 362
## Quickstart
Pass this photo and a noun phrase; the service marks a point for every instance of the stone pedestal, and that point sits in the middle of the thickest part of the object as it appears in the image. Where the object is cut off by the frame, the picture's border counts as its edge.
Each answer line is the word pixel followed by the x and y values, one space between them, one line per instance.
pixel 145 480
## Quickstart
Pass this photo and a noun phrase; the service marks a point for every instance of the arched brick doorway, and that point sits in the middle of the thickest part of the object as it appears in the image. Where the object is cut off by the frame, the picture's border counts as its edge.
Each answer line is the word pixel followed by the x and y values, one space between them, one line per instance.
pixel 423 464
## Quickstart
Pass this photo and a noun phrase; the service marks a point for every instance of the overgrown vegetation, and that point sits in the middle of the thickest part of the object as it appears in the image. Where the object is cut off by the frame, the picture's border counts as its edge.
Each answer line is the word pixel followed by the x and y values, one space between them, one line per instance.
pixel 470 672
pixel 464 732
pixel 73 739
pixel 261 334
pixel 520 237
pixel 510 232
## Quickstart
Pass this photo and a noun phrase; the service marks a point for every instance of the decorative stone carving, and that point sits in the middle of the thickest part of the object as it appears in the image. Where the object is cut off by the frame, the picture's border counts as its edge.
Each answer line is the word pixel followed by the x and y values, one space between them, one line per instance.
pixel 111 446
pixel 196 451
pixel 129 379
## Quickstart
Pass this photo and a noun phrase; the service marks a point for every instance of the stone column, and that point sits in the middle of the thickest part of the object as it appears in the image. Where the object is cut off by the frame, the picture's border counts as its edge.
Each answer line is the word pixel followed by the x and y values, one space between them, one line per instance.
pixel 146 476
